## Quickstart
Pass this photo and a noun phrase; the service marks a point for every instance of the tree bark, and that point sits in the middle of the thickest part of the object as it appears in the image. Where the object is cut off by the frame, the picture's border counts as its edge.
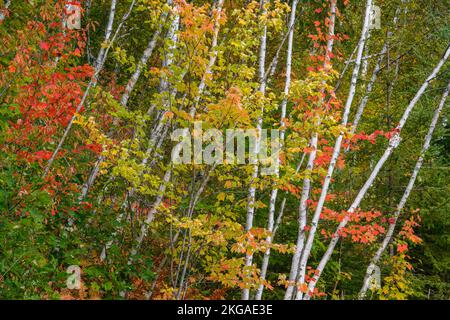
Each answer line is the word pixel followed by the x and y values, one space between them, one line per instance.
pixel 373 78
pixel 393 143
pixel 294 272
pixel 125 97
pixel 252 188
pixel 388 237
pixel 6 6
pixel 274 193
pixel 91 83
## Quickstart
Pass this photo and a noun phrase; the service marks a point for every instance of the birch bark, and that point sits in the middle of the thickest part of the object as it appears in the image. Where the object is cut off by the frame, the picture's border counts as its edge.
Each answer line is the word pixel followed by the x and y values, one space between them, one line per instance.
pixel 168 173
pixel 388 237
pixel 159 132
pixel 125 97
pixel 92 82
pixel 164 86
pixel 314 223
pixel 393 143
pixel 310 165
pixel 373 78
pixel 252 188
pixel 274 193
pixel 108 32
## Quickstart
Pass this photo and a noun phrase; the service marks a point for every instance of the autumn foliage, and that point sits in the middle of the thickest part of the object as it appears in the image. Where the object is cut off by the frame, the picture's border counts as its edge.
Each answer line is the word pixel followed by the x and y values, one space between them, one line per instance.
pixel 86 178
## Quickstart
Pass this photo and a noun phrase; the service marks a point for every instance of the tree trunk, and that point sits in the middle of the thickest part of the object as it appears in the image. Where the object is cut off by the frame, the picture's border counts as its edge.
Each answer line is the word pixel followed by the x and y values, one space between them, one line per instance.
pixel 294 272
pixel 274 193
pixel 400 206
pixel 252 188
pixel 92 82
pixel 393 143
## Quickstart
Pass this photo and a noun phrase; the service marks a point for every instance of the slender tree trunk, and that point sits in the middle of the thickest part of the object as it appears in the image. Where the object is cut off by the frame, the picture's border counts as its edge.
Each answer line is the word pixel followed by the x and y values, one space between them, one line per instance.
pixel 310 165
pixel 159 132
pixel 125 97
pixel 373 78
pixel 393 143
pixel 337 147
pixel 142 63
pixel 92 82
pixel 400 206
pixel 314 223
pixel 344 70
pixel 270 71
pixel 194 199
pixel 274 193
pixel 213 57
pixel 151 215
pixel 164 86
pixel 108 32
pixel 252 188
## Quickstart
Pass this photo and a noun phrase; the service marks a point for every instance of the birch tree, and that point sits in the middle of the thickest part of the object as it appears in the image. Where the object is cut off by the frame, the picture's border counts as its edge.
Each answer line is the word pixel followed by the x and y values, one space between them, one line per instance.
pixel 393 143
pixel 307 182
pixel 409 187
pixel 252 188
pixel 274 193
pixel 98 68
pixel 375 72
pixel 168 173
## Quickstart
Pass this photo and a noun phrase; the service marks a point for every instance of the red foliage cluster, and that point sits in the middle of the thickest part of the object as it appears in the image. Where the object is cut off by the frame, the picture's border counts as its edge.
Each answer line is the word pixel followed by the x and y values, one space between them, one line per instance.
pixel 49 88
pixel 355 229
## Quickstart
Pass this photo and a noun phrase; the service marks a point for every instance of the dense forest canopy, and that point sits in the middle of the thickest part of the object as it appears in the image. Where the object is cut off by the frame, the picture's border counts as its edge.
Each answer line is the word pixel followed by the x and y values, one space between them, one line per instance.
pixel 97 97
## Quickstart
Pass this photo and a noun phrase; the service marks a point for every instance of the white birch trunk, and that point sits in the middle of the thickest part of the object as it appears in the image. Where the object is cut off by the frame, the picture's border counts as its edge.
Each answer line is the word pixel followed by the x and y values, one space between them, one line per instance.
pixel 314 222
pixel 91 83
pixel 252 188
pixel 168 173
pixel 143 61
pixel 274 193
pixel 159 132
pixel 393 143
pixel 400 206
pixel 172 35
pixel 124 100
pixel 374 77
pixel 108 32
pixel 369 89
pixel 293 275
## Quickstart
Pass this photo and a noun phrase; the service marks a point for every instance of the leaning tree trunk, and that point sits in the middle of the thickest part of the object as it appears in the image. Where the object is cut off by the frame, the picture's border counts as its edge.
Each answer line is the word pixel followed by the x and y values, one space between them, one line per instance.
pixel 336 151
pixel 125 97
pixel 393 143
pixel 164 85
pixel 301 255
pixel 168 173
pixel 388 237
pixel 373 78
pixel 98 68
